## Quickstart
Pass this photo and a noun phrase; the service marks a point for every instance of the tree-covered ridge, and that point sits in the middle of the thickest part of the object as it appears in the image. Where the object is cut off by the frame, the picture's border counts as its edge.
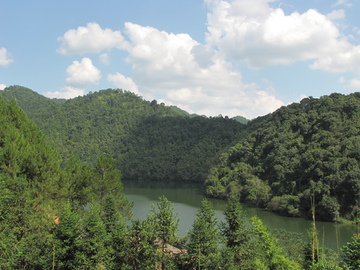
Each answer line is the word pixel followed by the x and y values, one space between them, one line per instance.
pixel 304 153
pixel 77 218
pixel 27 99
pixel 149 141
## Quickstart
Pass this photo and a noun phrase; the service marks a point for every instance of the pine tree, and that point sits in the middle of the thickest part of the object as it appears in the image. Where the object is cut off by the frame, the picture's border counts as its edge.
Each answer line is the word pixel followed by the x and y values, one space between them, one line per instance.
pixel 237 233
pixel 65 236
pixel 141 252
pixel 166 227
pixel 92 245
pixel 204 238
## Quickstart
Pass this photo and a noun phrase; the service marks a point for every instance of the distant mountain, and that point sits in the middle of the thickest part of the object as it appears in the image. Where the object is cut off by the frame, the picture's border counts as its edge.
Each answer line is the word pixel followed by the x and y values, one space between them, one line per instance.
pixel 149 141
pixel 303 155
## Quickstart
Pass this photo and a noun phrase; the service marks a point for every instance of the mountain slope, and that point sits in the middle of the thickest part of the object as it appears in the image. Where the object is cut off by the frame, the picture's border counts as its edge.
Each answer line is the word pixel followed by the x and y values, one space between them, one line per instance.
pixel 27 99
pixel 301 155
pixel 149 141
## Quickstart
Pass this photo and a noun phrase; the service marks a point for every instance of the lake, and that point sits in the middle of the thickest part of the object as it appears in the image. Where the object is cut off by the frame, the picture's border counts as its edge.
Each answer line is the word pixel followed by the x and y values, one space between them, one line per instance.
pixel 186 200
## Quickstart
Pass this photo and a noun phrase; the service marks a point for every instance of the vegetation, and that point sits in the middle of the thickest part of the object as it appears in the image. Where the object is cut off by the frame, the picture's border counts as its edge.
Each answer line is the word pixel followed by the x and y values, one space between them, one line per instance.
pixel 76 217
pixel 301 155
pixel 147 140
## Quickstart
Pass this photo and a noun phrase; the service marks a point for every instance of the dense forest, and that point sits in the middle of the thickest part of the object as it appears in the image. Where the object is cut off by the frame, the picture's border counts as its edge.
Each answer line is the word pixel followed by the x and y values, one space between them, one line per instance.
pixel 301 159
pixel 303 155
pixel 56 215
pixel 149 141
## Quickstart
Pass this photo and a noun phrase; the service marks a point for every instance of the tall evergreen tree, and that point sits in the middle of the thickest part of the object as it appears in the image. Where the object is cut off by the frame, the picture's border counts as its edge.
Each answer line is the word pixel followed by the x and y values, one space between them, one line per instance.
pixel 237 233
pixel 65 237
pixel 166 227
pixel 92 246
pixel 141 252
pixel 204 238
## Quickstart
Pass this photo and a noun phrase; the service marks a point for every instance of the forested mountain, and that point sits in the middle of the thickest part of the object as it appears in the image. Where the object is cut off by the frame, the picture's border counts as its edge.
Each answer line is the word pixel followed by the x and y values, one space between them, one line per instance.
pixel 149 141
pixel 303 155
pixel 76 217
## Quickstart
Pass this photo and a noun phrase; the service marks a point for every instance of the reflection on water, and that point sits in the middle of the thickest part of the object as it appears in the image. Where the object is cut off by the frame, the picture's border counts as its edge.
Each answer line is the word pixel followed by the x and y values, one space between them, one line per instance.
pixel 186 199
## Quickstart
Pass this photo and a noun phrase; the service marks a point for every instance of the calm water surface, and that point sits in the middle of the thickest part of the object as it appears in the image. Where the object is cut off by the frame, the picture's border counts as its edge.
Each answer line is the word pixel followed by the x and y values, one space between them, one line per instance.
pixel 186 200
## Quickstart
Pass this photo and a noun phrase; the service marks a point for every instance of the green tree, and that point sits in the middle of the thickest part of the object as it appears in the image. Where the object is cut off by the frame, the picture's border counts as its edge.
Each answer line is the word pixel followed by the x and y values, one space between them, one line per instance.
pixel 115 228
pixel 65 236
pixel 270 255
pixel 92 246
pixel 204 238
pixel 141 252
pixel 166 227
pixel 351 253
pixel 237 233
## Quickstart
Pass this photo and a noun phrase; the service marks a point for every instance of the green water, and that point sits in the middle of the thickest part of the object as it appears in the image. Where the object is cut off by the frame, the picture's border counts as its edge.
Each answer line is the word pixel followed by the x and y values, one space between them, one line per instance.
pixel 187 199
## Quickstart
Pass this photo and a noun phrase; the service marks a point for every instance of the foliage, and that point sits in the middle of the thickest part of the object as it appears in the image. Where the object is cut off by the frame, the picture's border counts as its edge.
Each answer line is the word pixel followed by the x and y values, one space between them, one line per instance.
pixel 273 254
pixel 75 216
pixel 300 151
pixel 204 238
pixel 351 253
pixel 148 141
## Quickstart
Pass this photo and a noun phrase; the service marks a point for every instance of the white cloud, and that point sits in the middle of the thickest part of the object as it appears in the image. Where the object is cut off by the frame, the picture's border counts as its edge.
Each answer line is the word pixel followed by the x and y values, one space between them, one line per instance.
pixel 125 83
pixel 342 60
pixel 178 70
pixel 67 92
pixel 2 86
pixel 89 39
pixel 336 14
pixel 265 36
pixel 82 73
pixel 104 59
pixel 350 85
pixel 5 57
pixel 342 3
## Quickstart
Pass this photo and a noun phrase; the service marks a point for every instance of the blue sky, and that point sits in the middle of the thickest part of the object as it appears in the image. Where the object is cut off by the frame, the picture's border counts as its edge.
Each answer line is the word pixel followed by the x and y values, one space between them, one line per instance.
pixel 211 57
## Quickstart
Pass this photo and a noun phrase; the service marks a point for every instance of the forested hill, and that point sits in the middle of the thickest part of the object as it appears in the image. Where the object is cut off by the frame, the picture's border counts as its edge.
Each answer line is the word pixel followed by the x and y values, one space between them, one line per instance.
pixel 149 141
pixel 76 217
pixel 27 99
pixel 304 154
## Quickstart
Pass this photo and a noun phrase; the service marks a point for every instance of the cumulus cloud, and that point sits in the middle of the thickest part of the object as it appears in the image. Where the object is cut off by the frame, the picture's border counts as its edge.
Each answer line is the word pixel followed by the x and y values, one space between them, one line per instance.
pixel 180 71
pixel 90 39
pixel 265 36
pixel 125 83
pixel 67 92
pixel 346 59
pixel 82 73
pixel 5 57
pixel 2 86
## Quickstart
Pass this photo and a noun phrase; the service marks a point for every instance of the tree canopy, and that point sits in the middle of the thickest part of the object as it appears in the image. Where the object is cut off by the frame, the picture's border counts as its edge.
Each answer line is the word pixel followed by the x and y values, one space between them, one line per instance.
pixel 302 153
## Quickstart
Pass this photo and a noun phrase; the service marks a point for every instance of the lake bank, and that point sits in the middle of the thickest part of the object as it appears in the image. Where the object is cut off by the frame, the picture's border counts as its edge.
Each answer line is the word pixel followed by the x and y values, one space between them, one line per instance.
pixel 186 200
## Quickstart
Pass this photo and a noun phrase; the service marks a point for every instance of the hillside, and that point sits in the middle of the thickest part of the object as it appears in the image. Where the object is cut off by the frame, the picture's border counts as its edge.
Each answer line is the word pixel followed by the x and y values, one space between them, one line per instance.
pixel 27 99
pixel 44 223
pixel 149 141
pixel 301 155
